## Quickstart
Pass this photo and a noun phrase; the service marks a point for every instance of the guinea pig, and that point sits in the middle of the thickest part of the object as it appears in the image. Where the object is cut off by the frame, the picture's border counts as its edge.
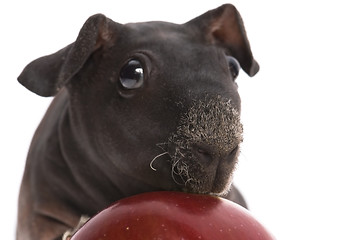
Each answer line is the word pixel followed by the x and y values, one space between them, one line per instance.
pixel 138 107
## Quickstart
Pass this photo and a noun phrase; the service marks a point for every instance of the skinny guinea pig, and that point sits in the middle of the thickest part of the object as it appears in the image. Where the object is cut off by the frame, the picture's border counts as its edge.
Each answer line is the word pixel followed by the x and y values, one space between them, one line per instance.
pixel 138 107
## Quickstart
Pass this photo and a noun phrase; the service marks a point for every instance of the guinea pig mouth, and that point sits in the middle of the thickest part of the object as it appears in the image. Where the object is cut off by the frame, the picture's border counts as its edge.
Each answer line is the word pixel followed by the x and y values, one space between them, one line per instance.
pixel 214 124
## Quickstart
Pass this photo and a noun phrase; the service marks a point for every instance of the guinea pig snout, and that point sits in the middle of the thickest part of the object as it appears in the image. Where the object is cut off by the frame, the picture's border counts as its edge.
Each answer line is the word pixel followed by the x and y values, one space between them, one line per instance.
pixel 204 148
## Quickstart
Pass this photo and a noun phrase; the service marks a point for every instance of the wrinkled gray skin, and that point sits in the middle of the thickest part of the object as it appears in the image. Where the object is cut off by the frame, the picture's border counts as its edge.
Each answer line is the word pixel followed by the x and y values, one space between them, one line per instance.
pixel 178 131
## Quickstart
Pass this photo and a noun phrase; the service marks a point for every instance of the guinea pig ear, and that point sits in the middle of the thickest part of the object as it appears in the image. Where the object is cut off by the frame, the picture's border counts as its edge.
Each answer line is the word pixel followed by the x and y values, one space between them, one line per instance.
pixel 223 26
pixel 45 76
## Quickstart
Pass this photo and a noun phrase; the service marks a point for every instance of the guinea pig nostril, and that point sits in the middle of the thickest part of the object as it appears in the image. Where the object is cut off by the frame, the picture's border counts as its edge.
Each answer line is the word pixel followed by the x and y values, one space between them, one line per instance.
pixel 202 151
pixel 234 151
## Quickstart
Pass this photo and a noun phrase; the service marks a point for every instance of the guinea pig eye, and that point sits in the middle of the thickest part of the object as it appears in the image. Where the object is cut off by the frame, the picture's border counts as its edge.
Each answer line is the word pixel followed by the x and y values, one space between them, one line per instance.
pixel 233 66
pixel 132 75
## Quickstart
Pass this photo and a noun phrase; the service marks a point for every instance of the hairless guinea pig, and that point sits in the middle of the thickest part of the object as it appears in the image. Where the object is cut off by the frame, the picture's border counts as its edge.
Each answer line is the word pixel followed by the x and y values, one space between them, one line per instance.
pixel 138 107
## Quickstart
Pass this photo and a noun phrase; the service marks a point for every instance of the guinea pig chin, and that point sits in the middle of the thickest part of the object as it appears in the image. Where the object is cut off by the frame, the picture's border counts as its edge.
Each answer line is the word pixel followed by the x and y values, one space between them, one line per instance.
pixel 204 149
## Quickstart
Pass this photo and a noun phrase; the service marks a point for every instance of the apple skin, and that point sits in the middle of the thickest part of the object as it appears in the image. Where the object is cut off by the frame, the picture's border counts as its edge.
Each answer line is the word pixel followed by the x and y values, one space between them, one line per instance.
pixel 173 215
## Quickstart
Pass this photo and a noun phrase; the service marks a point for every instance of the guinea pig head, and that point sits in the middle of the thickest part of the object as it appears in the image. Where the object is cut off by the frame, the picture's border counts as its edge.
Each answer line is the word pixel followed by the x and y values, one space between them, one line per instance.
pixel 157 101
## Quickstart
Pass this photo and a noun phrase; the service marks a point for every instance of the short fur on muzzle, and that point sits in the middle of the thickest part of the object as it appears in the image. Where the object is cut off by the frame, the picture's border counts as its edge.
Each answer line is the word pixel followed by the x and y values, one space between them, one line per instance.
pixel 211 122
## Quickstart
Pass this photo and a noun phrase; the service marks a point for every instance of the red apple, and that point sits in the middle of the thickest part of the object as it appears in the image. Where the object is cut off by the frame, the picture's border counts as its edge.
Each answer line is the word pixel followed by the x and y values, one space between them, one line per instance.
pixel 173 215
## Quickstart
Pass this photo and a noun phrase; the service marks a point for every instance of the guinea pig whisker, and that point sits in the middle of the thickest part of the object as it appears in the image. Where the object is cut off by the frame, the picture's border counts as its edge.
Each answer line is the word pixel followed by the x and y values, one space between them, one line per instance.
pixel 155 158
pixel 174 165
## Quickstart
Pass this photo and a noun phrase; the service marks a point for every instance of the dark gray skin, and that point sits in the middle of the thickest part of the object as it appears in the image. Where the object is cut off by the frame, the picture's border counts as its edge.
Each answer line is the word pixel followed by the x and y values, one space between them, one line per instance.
pixel 104 138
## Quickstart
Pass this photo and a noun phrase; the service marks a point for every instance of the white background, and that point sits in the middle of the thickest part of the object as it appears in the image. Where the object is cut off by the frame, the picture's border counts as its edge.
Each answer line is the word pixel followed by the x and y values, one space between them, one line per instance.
pixel 299 169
